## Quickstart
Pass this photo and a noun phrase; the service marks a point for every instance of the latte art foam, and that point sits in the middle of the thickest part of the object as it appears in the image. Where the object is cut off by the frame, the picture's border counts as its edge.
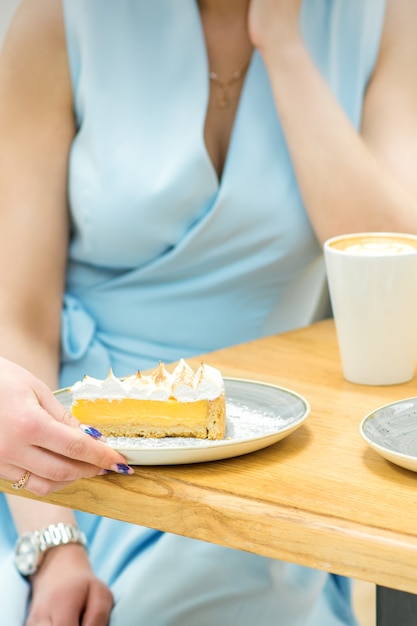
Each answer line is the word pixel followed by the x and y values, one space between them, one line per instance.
pixel 374 245
pixel 379 248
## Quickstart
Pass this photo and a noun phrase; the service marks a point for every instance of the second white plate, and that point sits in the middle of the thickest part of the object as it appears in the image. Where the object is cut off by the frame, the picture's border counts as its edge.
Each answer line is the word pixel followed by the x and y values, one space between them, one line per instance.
pixel 257 415
pixel 391 431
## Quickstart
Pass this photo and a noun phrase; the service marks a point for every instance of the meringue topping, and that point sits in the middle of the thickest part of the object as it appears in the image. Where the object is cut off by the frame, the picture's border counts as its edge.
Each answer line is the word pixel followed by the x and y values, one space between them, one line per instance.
pixel 183 385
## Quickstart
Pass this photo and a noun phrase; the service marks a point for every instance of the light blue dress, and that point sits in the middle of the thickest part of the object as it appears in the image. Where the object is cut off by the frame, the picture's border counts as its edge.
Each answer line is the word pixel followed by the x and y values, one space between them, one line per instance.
pixel 166 261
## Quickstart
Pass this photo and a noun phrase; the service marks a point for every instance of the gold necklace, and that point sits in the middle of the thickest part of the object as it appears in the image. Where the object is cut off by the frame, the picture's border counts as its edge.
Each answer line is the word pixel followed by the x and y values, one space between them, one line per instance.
pixel 223 99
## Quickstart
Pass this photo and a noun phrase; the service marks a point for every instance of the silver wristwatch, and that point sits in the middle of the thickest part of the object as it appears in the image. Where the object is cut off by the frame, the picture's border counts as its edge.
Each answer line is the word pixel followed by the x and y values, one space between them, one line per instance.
pixel 31 546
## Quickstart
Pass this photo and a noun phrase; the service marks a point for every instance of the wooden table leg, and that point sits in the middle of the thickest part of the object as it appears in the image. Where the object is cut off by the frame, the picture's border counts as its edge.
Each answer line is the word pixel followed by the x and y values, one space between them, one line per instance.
pixel 395 608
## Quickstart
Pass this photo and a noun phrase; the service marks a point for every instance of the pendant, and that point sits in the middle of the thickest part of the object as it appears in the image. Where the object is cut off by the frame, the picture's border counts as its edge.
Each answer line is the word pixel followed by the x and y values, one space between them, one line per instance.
pixel 223 99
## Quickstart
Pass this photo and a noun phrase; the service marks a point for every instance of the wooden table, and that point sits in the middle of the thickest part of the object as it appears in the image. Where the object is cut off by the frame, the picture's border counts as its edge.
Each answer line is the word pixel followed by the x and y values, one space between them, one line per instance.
pixel 321 497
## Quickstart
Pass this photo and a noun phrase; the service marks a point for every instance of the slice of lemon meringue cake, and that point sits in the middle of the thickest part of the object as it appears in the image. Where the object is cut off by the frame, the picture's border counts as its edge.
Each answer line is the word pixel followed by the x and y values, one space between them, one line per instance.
pixel 182 404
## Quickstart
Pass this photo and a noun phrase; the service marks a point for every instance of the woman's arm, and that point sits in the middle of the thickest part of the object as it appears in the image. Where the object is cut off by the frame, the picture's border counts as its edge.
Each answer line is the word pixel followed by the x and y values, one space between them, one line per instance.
pixel 65 585
pixel 349 181
pixel 36 130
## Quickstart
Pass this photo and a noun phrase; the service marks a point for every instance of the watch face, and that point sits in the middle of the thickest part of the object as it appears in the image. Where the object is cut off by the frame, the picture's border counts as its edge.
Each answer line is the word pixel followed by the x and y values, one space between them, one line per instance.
pixel 27 554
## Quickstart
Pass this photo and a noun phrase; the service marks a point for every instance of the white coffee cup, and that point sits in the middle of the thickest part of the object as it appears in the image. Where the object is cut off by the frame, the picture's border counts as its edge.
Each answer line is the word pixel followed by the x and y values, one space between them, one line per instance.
pixel 373 289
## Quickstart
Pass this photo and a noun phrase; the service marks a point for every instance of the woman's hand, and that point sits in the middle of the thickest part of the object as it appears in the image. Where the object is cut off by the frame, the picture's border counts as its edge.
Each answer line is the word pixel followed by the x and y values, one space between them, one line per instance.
pixel 66 591
pixel 37 434
pixel 274 22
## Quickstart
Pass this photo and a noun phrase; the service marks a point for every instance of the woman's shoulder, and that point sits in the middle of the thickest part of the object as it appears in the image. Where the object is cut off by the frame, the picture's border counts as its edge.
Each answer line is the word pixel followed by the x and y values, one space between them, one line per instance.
pixel 35 90
pixel 34 47
pixel 37 27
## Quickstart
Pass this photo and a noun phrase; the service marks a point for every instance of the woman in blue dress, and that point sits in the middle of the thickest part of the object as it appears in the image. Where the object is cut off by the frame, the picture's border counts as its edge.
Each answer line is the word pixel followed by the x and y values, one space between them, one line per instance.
pixel 168 173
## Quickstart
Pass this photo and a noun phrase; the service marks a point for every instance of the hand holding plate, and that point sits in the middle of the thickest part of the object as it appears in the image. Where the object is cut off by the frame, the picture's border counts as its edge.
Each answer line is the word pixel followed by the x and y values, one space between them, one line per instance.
pixel 42 447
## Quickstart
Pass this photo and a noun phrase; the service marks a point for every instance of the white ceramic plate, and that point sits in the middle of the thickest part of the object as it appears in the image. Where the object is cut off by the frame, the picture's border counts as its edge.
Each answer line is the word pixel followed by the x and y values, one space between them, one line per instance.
pixel 257 415
pixel 391 430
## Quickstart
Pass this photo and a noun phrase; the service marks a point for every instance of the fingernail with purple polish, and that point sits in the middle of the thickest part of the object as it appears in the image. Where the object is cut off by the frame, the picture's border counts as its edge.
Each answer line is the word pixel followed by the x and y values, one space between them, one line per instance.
pixel 121 468
pixel 93 432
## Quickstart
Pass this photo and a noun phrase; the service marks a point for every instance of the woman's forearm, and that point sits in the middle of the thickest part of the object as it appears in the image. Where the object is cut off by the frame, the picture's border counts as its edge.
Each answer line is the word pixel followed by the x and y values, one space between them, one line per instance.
pixel 35 515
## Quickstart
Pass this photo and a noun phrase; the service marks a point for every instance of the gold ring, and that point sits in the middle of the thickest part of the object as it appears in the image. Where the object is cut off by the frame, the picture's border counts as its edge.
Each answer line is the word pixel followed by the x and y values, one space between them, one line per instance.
pixel 22 482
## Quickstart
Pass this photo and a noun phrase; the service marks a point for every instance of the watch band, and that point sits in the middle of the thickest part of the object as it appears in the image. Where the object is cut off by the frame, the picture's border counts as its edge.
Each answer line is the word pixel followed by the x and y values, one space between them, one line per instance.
pixel 60 534
pixel 31 546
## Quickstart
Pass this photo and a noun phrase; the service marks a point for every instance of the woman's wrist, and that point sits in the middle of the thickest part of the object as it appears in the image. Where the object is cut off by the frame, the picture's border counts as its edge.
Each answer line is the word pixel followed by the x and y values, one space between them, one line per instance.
pixel 33 547
pixel 68 557
pixel 274 30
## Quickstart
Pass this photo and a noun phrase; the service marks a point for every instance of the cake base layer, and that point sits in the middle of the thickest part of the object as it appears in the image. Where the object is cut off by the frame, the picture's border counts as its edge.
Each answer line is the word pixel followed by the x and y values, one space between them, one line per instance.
pixel 204 419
